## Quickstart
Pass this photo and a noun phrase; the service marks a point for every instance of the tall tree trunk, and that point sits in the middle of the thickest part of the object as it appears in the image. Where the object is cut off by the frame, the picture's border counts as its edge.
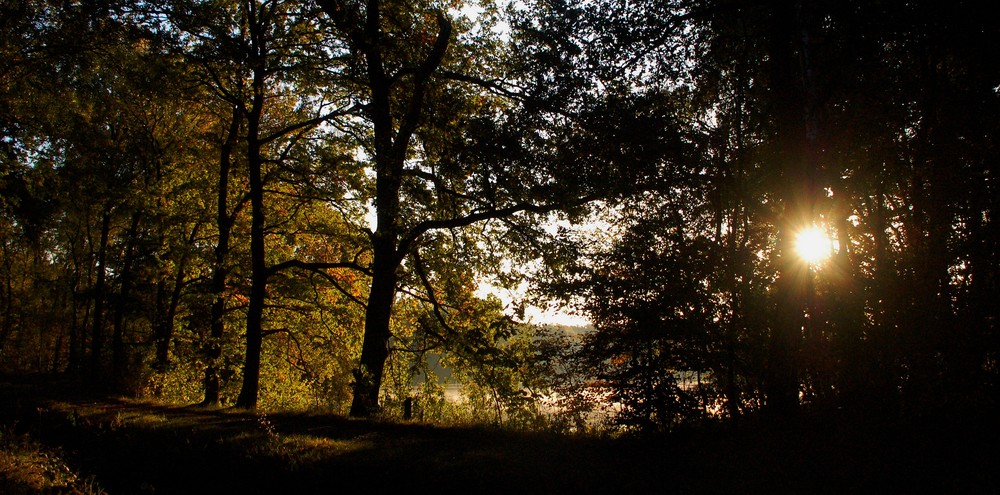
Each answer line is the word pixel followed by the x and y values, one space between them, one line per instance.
pixel 76 329
pixel 8 297
pixel 166 311
pixel 161 334
pixel 224 223
pixel 391 143
pixel 168 314
pixel 375 347
pixel 795 154
pixel 386 259
pixel 57 352
pixel 73 360
pixel 118 357
pixel 258 292
pixel 97 334
pixel 258 262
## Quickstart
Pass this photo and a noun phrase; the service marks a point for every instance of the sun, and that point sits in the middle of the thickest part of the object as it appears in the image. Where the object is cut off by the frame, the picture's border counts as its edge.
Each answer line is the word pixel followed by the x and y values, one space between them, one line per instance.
pixel 813 245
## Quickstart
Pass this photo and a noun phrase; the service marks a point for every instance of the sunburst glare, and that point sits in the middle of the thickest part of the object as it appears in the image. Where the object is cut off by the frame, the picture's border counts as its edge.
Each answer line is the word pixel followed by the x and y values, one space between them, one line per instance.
pixel 813 245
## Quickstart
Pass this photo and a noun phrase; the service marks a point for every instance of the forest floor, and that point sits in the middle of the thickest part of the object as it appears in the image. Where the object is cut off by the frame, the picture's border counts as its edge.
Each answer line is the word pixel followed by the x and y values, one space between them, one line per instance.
pixel 55 438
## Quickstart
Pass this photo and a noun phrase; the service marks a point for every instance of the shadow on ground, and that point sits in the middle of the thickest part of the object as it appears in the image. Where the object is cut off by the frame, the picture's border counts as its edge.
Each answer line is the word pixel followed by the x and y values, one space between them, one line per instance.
pixel 138 447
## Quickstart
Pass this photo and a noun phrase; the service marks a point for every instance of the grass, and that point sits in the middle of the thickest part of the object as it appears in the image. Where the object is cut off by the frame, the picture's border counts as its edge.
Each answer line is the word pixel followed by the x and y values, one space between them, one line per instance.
pixel 27 466
pixel 57 440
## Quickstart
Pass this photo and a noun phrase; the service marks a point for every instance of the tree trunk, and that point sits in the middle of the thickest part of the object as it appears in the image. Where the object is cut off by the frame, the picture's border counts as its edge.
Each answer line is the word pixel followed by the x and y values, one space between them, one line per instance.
pixel 375 347
pixel 258 283
pixel 258 262
pixel 118 358
pixel 73 360
pixel 97 334
pixel 167 315
pixel 161 334
pixel 795 155
pixel 391 143
pixel 8 297
pixel 224 223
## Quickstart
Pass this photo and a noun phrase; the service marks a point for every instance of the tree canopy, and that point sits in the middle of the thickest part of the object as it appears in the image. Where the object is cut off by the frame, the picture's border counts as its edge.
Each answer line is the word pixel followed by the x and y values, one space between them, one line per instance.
pixel 268 202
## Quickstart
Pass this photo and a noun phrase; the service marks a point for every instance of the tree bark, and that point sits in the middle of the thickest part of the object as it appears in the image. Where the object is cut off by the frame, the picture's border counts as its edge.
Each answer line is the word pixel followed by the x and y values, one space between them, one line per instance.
pixel 258 281
pixel 795 155
pixel 258 262
pixel 375 346
pixel 166 316
pixel 224 222
pixel 392 140
pixel 97 334
pixel 8 296
pixel 118 357
pixel 73 360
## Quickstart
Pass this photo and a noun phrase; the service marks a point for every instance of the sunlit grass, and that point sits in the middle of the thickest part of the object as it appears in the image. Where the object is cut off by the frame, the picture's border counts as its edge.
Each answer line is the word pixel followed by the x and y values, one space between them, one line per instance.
pixel 308 448
pixel 297 450
pixel 29 467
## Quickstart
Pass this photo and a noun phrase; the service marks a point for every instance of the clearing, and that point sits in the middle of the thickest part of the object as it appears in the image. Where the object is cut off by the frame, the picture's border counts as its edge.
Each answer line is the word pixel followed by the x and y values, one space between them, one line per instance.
pixel 56 438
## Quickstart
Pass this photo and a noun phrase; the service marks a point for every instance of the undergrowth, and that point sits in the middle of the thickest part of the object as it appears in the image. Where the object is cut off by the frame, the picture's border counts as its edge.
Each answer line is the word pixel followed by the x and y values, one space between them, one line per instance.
pixel 27 466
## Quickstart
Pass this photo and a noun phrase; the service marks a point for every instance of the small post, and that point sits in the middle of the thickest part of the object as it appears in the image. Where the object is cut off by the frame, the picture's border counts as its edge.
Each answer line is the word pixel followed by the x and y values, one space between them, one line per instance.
pixel 408 408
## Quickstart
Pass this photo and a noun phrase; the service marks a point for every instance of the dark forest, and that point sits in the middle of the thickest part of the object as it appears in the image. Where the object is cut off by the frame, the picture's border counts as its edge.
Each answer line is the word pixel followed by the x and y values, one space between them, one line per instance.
pixel 771 213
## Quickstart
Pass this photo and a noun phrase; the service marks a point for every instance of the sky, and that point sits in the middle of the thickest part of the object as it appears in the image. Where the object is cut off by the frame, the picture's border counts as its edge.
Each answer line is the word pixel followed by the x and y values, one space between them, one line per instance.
pixel 548 315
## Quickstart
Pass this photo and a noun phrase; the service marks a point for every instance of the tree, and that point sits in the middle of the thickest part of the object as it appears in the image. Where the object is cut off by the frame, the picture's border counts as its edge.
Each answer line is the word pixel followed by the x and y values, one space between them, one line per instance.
pixel 454 143
pixel 280 46
pixel 818 113
pixel 338 176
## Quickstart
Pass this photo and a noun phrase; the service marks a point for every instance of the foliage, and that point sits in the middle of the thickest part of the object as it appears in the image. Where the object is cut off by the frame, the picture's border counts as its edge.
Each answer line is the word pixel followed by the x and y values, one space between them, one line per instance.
pixel 27 466
pixel 181 383
pixel 832 113
pixel 296 202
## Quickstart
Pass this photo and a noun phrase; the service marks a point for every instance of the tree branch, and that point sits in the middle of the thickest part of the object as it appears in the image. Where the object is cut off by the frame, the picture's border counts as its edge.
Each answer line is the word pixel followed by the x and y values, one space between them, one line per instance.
pixel 309 123
pixel 437 181
pixel 316 266
pixel 431 294
pixel 423 227
pixel 408 123
pixel 318 269
pixel 493 86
